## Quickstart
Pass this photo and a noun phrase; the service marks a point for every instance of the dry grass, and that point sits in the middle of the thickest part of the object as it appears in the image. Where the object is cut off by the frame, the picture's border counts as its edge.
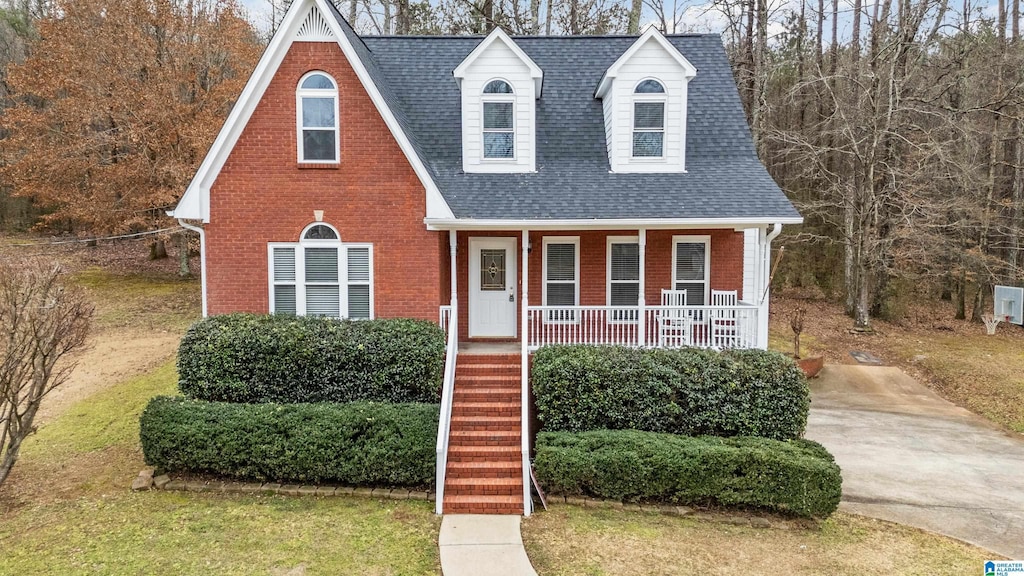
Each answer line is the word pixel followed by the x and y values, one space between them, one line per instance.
pixel 982 373
pixel 573 540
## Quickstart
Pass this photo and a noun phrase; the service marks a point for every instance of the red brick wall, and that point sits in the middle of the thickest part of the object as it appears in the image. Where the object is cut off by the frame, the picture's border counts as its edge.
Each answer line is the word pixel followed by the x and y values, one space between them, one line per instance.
pixel 726 264
pixel 373 196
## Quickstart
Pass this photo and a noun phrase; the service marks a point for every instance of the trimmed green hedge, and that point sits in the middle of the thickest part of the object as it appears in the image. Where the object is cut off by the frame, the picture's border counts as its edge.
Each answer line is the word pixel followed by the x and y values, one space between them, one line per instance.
pixel 688 391
pixel 794 476
pixel 277 358
pixel 361 443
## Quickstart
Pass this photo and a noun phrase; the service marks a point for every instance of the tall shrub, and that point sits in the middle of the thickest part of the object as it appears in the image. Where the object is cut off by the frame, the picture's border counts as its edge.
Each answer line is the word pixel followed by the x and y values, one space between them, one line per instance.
pixel 277 358
pixel 361 443
pixel 687 391
pixel 794 476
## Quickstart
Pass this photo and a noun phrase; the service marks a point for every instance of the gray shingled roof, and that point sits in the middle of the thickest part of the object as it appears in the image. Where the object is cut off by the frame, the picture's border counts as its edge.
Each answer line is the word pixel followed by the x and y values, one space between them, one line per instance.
pixel 724 178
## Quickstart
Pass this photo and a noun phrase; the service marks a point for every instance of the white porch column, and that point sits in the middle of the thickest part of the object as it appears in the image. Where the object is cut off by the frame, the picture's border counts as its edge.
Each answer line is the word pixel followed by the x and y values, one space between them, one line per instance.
pixel 764 280
pixel 641 323
pixel 453 248
pixel 524 338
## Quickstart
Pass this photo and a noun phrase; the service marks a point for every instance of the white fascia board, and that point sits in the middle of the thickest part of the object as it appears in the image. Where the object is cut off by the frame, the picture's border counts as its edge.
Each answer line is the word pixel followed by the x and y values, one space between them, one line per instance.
pixel 195 203
pixel 608 224
pixel 498 34
pixel 652 33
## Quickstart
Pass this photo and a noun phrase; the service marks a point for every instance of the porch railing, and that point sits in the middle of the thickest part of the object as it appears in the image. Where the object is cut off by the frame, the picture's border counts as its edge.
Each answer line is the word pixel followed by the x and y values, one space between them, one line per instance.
pixel 718 327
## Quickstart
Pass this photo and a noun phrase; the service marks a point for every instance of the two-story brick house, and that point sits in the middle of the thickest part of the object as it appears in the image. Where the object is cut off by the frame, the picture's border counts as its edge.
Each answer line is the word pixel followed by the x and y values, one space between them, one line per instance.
pixel 526 191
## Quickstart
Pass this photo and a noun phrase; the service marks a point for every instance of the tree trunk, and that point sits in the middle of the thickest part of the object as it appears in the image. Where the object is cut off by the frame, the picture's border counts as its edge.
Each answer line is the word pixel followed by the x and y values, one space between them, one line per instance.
pixel 634 17
pixel 183 270
pixel 157 250
pixel 353 12
pixel 961 295
pixel 534 17
pixel 547 17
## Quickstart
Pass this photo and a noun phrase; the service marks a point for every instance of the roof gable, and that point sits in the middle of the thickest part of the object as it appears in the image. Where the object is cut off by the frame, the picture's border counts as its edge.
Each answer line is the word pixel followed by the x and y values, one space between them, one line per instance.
pixel 306 20
pixel 499 35
pixel 651 35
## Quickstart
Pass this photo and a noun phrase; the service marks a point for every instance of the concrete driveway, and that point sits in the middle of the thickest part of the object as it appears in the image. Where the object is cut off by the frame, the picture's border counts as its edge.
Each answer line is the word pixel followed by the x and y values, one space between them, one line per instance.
pixel 909 456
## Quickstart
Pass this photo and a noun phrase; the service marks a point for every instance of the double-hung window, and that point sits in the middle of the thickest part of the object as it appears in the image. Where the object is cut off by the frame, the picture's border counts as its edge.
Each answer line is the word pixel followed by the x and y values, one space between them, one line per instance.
pixel 321 276
pixel 649 100
pixel 561 276
pixel 316 102
pixel 691 263
pixel 499 134
pixel 623 276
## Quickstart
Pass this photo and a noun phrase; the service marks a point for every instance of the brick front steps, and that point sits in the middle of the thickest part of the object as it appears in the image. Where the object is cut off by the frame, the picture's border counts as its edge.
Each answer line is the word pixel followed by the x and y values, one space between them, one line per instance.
pixel 485 473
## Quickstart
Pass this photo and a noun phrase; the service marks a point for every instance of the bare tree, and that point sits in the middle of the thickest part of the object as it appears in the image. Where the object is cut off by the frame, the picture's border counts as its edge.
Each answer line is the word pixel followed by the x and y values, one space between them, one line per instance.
pixel 43 319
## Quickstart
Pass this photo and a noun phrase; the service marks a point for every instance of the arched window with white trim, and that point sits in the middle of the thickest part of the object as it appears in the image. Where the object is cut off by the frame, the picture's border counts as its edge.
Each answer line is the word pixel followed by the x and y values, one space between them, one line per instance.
pixel 316 102
pixel 321 276
pixel 649 100
pixel 499 111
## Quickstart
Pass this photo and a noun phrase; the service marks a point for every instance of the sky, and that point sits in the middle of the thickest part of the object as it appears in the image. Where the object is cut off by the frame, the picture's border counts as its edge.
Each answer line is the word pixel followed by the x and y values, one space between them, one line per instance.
pixel 695 15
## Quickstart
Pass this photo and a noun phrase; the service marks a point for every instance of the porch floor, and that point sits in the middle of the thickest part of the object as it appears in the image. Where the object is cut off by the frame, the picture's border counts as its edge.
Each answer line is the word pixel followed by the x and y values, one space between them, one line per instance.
pixel 490 347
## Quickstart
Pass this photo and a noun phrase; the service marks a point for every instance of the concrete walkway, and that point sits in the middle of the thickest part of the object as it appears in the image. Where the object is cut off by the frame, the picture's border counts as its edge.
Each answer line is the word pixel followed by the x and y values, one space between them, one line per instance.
pixel 478 544
pixel 910 457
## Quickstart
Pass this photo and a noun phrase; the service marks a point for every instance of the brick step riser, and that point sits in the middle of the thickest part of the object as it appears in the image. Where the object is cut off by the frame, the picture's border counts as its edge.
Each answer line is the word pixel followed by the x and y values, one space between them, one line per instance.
pixel 471 509
pixel 486 412
pixel 489 491
pixel 473 371
pixel 475 397
pixel 469 454
pixel 487 427
pixel 485 443
pixel 465 359
pixel 502 382
pixel 510 473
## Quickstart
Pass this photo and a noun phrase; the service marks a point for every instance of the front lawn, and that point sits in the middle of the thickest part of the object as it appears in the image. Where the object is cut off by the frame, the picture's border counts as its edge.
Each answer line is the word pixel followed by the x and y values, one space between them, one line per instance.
pixel 574 540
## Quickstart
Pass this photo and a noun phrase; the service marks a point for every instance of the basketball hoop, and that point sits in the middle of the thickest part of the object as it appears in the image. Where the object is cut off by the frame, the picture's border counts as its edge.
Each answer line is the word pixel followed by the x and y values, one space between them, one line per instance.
pixel 992 321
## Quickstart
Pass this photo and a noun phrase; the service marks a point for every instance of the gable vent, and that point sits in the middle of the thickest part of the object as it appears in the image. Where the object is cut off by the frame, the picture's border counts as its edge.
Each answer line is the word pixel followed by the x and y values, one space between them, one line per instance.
pixel 314 28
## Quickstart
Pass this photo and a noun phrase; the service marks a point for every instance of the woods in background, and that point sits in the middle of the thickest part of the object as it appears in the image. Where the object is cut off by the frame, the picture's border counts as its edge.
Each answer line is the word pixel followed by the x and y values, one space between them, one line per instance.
pixel 897 127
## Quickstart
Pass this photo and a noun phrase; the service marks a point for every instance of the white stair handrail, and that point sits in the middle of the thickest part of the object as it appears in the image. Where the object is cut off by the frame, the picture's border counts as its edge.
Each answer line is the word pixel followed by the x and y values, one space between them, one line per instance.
pixel 445 420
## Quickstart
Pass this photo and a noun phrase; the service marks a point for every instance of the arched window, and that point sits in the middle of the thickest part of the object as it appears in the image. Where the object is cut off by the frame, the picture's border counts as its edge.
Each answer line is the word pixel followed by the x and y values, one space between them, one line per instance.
pixel 316 101
pixel 649 119
pixel 499 133
pixel 321 276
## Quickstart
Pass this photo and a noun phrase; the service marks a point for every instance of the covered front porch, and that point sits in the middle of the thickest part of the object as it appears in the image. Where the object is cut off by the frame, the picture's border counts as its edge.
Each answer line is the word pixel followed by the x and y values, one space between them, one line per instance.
pixel 664 288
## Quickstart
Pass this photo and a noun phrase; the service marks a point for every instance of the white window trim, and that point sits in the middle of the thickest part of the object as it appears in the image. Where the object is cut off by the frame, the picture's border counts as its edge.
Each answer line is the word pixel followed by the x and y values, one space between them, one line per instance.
pixel 316 93
pixel 488 98
pixel 300 270
pixel 663 99
pixel 608 276
pixel 548 240
pixel 706 240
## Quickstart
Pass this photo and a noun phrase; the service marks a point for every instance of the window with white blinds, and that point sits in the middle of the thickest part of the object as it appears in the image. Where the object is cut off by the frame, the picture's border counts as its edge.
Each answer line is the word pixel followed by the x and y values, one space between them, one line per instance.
pixel 359 282
pixel 691 267
pixel 320 277
pixel 561 275
pixel 623 276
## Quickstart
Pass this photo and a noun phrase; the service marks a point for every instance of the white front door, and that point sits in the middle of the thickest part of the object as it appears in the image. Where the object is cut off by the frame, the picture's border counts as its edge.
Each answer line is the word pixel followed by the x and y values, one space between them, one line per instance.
pixel 492 287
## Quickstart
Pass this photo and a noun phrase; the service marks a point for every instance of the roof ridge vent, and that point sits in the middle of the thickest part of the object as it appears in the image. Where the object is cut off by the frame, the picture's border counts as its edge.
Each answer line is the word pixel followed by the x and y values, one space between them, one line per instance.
pixel 314 28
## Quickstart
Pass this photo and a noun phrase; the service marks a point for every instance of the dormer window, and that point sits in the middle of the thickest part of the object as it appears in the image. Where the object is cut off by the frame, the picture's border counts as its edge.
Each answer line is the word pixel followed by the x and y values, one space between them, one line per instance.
pixel 316 102
pixel 649 120
pixel 499 121
pixel 500 86
pixel 643 94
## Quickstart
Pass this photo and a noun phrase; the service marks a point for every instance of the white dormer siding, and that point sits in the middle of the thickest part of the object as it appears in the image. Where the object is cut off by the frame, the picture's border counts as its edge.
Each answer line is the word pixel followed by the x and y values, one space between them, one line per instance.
pixel 651 57
pixel 497 59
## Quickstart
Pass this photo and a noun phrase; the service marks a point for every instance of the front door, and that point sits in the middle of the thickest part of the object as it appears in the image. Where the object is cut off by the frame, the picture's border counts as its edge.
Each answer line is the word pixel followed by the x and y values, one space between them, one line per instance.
pixel 492 287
